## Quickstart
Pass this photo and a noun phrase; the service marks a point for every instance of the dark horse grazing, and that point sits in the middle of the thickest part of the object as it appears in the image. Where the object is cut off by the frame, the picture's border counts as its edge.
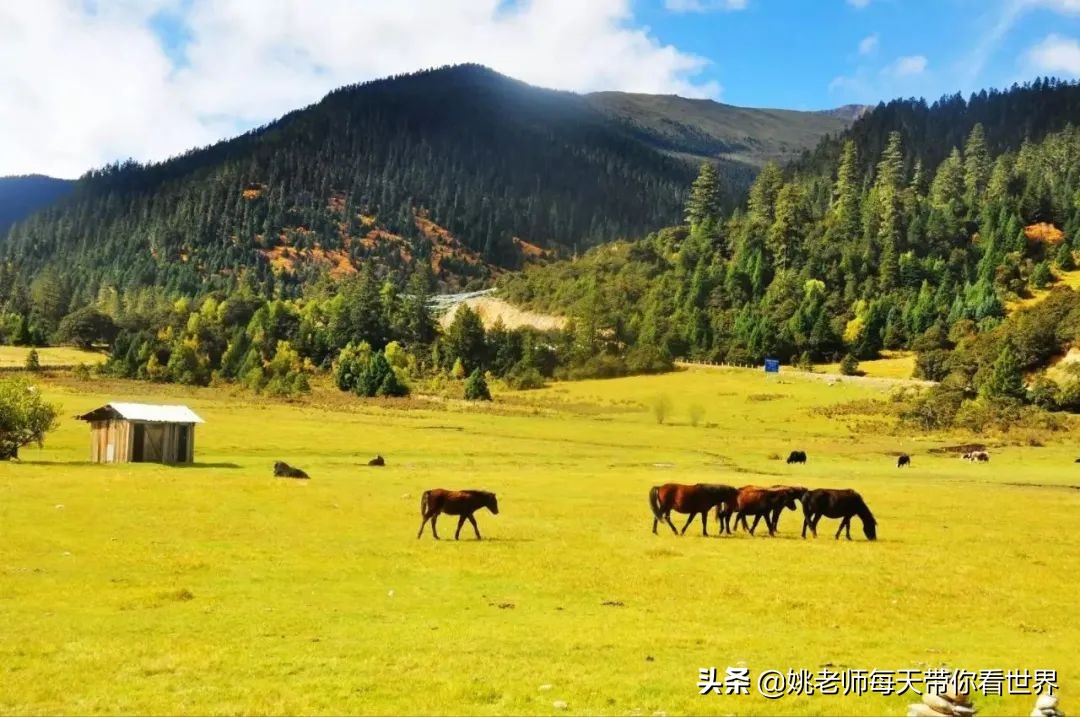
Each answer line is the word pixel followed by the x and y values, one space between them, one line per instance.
pixel 692 499
pixel 843 504
pixel 903 460
pixel 462 503
pixel 765 503
pixel 284 470
pixel 796 457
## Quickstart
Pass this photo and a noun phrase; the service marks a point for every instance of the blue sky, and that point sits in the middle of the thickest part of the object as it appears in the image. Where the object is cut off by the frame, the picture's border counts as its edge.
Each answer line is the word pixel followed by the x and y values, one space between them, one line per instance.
pixel 816 53
pixel 148 79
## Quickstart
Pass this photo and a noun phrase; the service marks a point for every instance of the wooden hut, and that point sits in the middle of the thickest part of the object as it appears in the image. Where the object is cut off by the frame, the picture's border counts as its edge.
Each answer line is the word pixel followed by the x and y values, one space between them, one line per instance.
pixel 141 433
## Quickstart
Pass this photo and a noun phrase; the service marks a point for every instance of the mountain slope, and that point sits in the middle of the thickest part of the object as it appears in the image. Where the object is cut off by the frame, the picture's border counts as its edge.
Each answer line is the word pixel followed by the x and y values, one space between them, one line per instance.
pixel 707 129
pixel 485 158
pixel 915 229
pixel 23 195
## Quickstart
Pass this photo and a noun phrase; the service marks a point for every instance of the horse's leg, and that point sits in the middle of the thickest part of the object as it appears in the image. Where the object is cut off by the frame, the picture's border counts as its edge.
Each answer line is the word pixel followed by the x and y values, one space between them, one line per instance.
pixel 848 521
pixel 667 517
pixel 704 523
pixel 655 522
pixel 688 522
pixel 422 525
pixel 460 522
pixel 805 523
pixel 841 528
pixel 776 518
pixel 813 524
pixel 433 531
pixel 475 528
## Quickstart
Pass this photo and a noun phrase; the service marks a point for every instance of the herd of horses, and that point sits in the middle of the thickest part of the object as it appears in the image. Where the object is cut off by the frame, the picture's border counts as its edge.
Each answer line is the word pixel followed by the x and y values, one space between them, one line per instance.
pixel 758 502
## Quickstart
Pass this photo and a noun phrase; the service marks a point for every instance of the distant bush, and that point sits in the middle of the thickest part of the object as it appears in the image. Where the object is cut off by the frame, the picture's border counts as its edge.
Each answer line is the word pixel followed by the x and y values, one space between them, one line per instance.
pixel 661 408
pixel 33 363
pixel 696 413
pixel 524 378
pixel 81 372
pixel 849 366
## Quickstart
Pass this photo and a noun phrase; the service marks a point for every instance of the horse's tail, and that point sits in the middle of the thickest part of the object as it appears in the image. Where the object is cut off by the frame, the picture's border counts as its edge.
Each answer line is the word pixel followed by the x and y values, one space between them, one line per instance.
pixel 654 502
pixel 424 502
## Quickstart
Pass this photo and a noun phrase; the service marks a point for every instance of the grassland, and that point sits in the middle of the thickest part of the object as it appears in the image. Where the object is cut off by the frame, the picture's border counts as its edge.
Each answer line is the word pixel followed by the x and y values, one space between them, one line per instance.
pixel 892 364
pixel 215 589
pixel 15 356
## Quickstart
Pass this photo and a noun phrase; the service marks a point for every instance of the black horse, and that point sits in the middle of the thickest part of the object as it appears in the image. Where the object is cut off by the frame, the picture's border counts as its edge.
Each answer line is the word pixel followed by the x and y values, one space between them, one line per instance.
pixel 903 460
pixel 843 504
pixel 796 457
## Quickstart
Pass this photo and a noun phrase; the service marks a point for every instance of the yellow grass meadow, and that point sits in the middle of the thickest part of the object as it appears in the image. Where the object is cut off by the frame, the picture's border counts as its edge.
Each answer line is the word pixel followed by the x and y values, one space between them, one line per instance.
pixel 217 589
pixel 15 356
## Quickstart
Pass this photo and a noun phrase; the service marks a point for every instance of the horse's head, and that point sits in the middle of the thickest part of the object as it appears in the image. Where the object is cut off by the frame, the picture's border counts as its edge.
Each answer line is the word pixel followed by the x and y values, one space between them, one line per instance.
pixel 492 503
pixel 869 528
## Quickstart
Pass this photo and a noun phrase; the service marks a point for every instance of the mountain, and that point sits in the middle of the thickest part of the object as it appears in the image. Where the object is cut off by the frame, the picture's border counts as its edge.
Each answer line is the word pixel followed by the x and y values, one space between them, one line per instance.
pixel 459 166
pixel 20 196
pixel 915 229
pixel 703 129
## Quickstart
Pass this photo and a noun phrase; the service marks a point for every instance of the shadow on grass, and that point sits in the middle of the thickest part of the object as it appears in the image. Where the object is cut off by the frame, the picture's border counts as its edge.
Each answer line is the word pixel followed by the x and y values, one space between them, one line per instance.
pixel 205 465
pixel 113 465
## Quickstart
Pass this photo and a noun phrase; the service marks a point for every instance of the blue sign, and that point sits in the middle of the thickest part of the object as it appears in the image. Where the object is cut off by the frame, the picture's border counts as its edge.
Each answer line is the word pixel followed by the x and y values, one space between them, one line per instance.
pixel 772 365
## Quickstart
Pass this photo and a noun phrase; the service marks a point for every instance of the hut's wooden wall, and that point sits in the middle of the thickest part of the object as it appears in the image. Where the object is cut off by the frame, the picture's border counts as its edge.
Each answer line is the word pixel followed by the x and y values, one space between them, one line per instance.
pixel 104 434
pixel 161 442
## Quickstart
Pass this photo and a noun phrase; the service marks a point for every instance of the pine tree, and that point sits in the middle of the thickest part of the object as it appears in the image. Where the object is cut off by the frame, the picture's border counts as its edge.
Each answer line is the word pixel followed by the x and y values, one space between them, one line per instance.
pixel 845 211
pixel 1005 380
pixel 476 388
pixel 704 204
pixel 977 167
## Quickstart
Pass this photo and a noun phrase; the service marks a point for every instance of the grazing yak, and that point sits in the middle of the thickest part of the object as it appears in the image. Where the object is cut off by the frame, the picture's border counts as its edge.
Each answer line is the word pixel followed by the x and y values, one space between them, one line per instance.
pixel 284 470
pixel 377 461
pixel 796 457
pixel 903 460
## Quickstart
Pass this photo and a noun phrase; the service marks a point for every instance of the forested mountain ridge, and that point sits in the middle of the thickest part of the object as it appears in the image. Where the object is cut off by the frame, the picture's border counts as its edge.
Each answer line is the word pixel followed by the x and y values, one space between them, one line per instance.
pixel 912 230
pixel 487 158
pixel 736 136
pixel 20 196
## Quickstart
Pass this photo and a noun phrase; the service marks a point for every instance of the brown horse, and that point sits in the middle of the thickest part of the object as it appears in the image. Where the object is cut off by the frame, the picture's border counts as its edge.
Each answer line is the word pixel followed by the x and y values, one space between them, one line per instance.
pixel 462 503
pixel 765 503
pixel 795 491
pixel 692 499
pixel 844 504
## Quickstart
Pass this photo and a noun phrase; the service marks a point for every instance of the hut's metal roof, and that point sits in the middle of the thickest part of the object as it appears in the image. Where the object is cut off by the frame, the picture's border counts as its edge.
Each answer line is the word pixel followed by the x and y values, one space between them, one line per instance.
pixel 144 412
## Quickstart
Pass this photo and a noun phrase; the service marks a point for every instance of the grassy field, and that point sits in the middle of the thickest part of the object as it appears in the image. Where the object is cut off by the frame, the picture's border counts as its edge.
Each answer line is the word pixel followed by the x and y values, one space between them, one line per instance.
pixel 15 356
pixel 892 364
pixel 216 589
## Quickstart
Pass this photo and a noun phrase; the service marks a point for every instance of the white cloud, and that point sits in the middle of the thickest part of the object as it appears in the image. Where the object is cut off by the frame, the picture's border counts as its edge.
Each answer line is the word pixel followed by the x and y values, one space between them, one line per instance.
pixel 1056 54
pixel 907 66
pixel 902 77
pixel 83 83
pixel 860 4
pixel 704 5
pixel 1063 6
pixel 868 44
